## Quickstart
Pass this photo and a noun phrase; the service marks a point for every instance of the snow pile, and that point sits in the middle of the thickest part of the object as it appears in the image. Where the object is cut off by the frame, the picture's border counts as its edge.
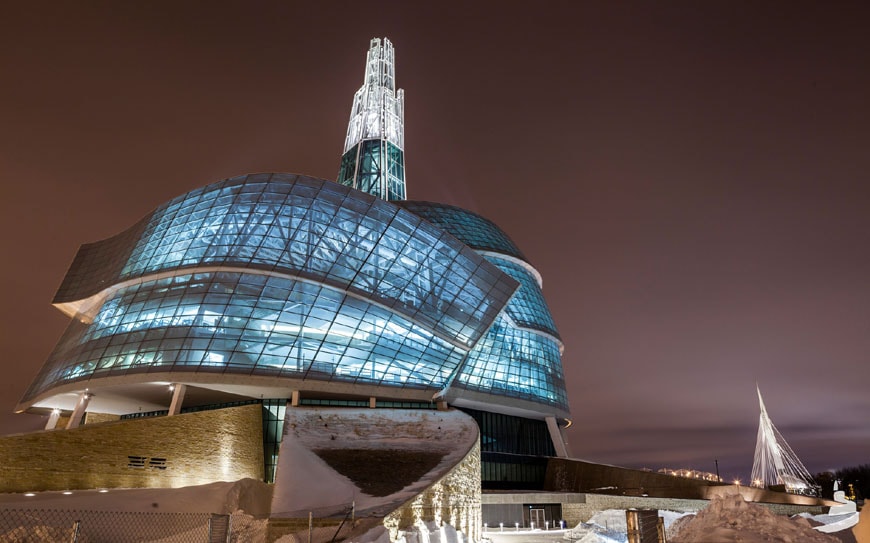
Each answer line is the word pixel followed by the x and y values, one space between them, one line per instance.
pixel 730 518
pixel 606 526
pixel 322 534
pixel 428 532
pixel 609 526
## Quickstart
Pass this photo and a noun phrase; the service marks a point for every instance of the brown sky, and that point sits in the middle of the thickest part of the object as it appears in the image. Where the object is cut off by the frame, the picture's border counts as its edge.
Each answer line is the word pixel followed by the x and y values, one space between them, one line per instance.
pixel 689 177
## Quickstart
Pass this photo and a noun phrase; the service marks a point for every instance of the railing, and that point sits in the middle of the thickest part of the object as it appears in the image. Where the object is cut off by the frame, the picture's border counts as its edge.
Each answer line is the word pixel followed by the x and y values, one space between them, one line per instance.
pixel 72 526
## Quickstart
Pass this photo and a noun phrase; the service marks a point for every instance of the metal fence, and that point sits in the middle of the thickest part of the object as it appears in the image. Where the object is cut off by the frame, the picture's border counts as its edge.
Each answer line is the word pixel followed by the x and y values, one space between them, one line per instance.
pixel 58 526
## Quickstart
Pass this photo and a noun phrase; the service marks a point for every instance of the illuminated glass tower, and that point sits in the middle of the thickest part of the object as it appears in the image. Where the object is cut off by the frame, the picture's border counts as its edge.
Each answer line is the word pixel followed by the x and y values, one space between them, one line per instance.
pixel 374 156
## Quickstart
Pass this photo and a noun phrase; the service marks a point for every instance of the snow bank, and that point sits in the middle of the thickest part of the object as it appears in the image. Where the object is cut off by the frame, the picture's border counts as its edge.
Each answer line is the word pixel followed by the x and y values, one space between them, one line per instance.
pixel 729 518
pixel 428 532
pixel 609 526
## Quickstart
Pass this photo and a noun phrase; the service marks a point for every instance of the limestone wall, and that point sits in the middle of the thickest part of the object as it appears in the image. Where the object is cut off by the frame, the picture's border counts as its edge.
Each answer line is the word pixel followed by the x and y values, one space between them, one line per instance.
pixel 577 512
pixel 454 499
pixel 160 452
pixel 568 475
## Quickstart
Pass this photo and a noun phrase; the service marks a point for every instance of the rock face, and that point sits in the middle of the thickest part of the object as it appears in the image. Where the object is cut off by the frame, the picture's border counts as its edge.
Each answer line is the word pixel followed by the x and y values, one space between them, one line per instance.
pixel 729 518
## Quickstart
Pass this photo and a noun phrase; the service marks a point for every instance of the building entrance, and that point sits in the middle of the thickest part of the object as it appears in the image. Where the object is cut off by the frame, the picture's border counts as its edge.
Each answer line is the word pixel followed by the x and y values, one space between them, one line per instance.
pixel 537 518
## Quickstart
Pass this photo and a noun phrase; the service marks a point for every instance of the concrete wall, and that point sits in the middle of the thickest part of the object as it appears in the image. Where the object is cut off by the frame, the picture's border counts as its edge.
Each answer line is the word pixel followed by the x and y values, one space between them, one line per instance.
pixel 160 452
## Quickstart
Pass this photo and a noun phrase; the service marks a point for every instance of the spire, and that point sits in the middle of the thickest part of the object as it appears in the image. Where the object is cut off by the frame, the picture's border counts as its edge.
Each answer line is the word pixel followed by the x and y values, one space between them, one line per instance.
pixel 374 156
pixel 775 463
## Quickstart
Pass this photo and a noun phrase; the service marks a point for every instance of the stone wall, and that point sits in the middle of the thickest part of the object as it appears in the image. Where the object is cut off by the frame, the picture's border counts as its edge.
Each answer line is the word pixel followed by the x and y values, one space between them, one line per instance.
pixel 159 452
pixel 577 512
pixel 454 500
pixel 567 475
pixel 97 418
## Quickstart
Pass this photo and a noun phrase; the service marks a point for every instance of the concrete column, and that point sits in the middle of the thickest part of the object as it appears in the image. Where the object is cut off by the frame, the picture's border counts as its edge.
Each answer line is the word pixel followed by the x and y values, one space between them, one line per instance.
pixel 177 398
pixel 52 419
pixel 441 405
pixel 294 399
pixel 373 402
pixel 556 436
pixel 79 411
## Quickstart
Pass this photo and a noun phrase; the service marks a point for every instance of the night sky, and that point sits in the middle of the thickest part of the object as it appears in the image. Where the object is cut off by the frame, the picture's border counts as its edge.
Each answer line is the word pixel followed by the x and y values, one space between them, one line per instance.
pixel 690 179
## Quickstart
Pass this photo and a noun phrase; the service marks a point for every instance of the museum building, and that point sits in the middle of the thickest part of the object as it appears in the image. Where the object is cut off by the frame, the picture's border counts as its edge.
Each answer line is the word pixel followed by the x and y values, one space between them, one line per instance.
pixel 285 290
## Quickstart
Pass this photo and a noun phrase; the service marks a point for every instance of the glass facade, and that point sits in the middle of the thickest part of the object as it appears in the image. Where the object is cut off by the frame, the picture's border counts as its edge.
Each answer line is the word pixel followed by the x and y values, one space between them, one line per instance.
pixel 513 450
pixel 512 435
pixel 273 431
pixel 475 231
pixel 326 283
pixel 291 277
pixel 373 159
pixel 520 357
pixel 376 167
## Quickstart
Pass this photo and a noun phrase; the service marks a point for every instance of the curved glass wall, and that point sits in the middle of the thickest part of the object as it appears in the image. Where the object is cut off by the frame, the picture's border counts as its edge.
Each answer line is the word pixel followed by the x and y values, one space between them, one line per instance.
pixel 250 324
pixel 527 308
pixel 475 231
pixel 313 229
pixel 516 363
pixel 288 276
pixel 521 354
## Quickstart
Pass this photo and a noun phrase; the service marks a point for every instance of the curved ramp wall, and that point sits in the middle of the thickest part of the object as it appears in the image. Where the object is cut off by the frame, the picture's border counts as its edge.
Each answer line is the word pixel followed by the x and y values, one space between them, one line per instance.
pixel 396 467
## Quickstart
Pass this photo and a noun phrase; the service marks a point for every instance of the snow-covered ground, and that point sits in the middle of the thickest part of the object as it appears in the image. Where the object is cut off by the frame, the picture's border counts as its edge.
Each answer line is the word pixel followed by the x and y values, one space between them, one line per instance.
pixel 726 519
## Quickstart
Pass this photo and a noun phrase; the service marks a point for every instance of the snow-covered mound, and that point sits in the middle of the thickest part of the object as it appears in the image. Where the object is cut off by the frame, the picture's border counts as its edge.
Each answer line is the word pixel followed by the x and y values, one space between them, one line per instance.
pixel 609 526
pixel 428 532
pixel 729 518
